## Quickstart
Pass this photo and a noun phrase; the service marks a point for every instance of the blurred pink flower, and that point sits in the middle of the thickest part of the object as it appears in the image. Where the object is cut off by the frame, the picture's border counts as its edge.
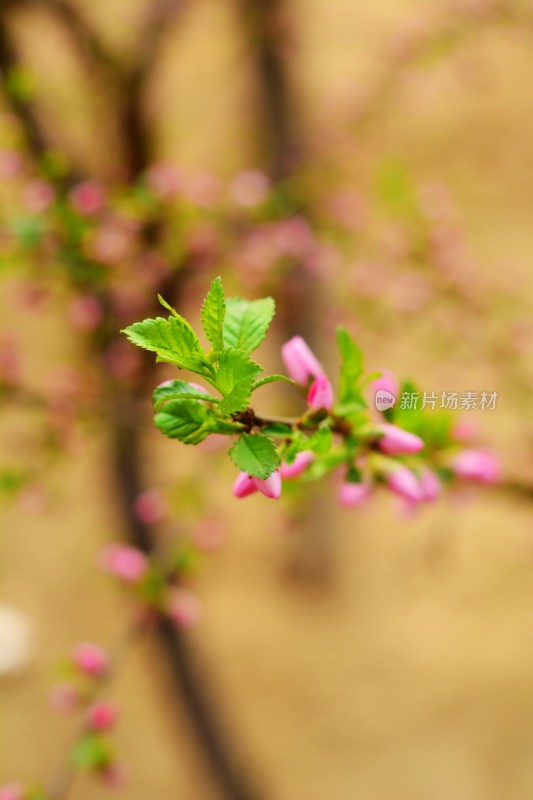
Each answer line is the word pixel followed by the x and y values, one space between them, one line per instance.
pixel 430 483
pixel 150 507
pixel 249 188
pixel 10 163
pixel 298 466
pixel 88 197
pixel 126 563
pixel 320 395
pixel 404 483
pixel 38 196
pixel 396 442
pixel 85 313
pixel 163 179
pixel 101 716
pixel 12 791
pixel 90 658
pixel 352 495
pixel 64 698
pixel 300 362
pixel 477 465
pixel 184 608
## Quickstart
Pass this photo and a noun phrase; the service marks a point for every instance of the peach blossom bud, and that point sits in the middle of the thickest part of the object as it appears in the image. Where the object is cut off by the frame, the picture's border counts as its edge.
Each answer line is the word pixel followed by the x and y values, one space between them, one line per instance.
pixel 299 465
pixel 64 698
pixel 320 394
pixel 163 179
pixel 91 659
pixel 352 495
pixel 430 483
pixel 464 430
pixel 271 486
pixel 395 441
pixel 386 383
pixel 39 196
pixel 404 483
pixel 184 608
pixel 300 362
pixel 244 485
pixel 477 465
pixel 88 197
pixel 101 716
pixel 150 507
pixel 12 791
pixel 85 313
pixel 249 188
pixel 126 563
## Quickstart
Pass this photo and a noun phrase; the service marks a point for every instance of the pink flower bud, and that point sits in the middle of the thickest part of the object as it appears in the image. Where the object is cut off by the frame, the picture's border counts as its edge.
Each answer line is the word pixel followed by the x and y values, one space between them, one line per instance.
pixel 300 362
pixel 299 465
pixel 101 716
pixel 395 441
pixel 124 562
pixel 430 483
pixel 271 486
pixel 64 698
pixel 387 383
pixel 163 179
pixel 184 608
pixel 85 313
pixel 38 196
pixel 320 394
pixel 90 658
pixel 150 507
pixel 244 485
pixel 352 495
pixel 404 483
pixel 88 197
pixel 477 465
pixel 11 791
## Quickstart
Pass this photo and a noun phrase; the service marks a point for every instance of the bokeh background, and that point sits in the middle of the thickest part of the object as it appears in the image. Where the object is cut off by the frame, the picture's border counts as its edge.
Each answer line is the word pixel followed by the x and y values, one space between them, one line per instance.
pixel 367 164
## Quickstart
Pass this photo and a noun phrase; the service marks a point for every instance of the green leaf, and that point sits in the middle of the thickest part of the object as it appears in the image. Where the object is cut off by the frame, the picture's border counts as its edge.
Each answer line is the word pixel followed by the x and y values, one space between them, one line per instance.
pixel 186 420
pixel 91 751
pixel 321 441
pixel 213 313
pixel 172 339
pixel 234 379
pixel 247 322
pixel 255 454
pixel 271 379
pixel 179 390
pixel 351 367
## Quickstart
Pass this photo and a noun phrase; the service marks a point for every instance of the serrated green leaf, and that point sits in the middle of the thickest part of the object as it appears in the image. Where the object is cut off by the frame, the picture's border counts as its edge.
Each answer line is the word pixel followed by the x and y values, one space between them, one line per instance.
pixel 213 313
pixel 172 339
pixel 179 390
pixel 186 420
pixel 255 454
pixel 247 322
pixel 351 367
pixel 91 751
pixel 271 379
pixel 234 379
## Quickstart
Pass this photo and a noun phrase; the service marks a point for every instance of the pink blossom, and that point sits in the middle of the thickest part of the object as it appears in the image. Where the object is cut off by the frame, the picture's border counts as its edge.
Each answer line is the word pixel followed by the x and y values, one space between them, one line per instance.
pixel 90 658
pixel 10 163
pixel 12 791
pixel 101 716
pixel 64 698
pixel 387 382
pixel 300 362
pixel 271 486
pixel 85 313
pixel 245 485
pixel 124 562
pixel 88 197
pixel 404 483
pixel 250 188
pixel 320 394
pixel 184 608
pixel 163 179
pixel 477 465
pixel 395 441
pixel 39 196
pixel 352 495
pixel 430 483
pixel 150 507
pixel 299 465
